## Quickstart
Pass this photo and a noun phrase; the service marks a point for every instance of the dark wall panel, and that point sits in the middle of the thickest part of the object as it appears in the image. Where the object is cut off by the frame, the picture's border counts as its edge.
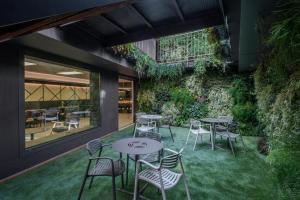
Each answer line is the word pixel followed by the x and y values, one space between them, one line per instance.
pixel 9 104
pixel 109 97
pixel 13 156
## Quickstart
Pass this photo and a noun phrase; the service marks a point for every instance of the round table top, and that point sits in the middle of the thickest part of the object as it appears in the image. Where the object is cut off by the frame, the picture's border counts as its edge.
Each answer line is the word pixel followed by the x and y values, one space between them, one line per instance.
pixel 137 146
pixel 214 120
pixel 157 117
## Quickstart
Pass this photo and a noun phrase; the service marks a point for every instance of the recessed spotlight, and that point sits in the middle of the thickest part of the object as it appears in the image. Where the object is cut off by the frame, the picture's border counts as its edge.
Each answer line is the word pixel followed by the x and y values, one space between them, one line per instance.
pixel 70 73
pixel 29 63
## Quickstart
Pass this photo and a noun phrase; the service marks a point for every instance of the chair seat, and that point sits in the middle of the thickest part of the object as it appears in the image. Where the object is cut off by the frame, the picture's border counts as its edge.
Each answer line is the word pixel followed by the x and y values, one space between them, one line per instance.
pixel 221 128
pixel 150 158
pixel 199 131
pixel 170 179
pixel 103 168
pixel 59 129
pixel 145 128
pixel 227 134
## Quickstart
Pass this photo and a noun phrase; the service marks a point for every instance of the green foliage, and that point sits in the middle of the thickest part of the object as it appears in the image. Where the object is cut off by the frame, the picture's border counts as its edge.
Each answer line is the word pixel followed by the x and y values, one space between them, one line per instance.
pixel 200 67
pixel 167 71
pixel 182 97
pixel 146 100
pixel 195 85
pixel 243 106
pixel 197 110
pixel 219 101
pixel 169 108
pixel 277 88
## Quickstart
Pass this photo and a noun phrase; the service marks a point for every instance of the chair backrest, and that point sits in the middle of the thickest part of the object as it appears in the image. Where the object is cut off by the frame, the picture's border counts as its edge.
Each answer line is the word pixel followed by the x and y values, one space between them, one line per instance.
pixel 94 146
pixel 171 161
pixel 142 121
pixel 194 124
pixel 138 114
pixel 72 118
pixel 167 119
pixel 150 135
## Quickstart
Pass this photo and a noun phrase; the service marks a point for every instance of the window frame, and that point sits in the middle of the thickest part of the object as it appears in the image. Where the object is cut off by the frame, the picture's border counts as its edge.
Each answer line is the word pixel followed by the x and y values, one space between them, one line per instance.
pixel 65 62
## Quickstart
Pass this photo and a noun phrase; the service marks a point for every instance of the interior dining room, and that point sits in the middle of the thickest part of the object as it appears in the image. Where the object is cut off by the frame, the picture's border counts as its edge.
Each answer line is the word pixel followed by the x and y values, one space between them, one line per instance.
pixel 58 100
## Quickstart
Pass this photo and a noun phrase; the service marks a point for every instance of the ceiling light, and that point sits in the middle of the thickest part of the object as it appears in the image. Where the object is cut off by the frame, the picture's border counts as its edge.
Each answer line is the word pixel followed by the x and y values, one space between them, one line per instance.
pixel 70 73
pixel 29 63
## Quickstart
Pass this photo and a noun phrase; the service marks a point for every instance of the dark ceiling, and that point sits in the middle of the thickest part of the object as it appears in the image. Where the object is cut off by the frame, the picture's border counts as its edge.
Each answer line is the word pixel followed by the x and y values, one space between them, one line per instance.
pixel 112 22
pixel 150 19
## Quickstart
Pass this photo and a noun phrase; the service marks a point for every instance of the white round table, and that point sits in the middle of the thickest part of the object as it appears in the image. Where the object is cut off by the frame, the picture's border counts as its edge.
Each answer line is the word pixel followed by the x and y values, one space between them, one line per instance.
pixel 152 117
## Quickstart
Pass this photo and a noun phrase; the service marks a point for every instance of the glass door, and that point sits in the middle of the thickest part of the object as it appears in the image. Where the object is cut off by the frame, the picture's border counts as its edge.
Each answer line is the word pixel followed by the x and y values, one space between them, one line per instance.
pixel 125 102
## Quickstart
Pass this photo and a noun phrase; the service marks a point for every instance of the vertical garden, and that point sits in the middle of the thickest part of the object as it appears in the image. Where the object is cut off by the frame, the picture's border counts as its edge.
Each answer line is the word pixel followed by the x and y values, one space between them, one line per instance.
pixel 277 89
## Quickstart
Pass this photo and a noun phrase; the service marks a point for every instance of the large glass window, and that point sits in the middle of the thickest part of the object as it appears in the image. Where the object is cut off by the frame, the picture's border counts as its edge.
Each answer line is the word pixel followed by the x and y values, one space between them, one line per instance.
pixel 59 101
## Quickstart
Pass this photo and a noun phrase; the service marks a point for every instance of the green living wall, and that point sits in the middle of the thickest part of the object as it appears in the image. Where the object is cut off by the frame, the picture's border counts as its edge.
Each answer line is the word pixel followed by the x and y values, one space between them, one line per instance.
pixel 277 88
pixel 211 88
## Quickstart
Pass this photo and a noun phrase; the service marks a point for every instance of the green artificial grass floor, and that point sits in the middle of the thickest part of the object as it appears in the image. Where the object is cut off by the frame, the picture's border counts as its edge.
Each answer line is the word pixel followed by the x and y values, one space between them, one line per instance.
pixel 211 174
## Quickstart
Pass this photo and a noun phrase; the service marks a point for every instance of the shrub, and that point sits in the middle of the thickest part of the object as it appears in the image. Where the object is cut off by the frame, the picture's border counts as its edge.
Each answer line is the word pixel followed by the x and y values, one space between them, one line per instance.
pixel 197 110
pixel 169 108
pixel 219 101
pixel 146 100
pixel 182 97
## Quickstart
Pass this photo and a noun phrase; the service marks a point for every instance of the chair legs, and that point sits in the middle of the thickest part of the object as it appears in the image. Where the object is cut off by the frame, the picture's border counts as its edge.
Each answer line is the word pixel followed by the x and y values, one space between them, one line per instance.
pixel 231 146
pixel 171 133
pixel 243 142
pixel 163 193
pixel 81 188
pixel 187 138
pixel 186 188
pixel 91 182
pixel 122 178
pixel 136 180
pixel 195 142
pixel 114 188
pixel 127 166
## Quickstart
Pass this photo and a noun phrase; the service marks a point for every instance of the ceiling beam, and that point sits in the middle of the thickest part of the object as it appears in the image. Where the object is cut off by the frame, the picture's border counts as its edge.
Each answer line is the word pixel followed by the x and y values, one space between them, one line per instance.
pixel 89 30
pixel 10 32
pixel 213 18
pixel 117 26
pixel 14 12
pixel 178 10
pixel 141 16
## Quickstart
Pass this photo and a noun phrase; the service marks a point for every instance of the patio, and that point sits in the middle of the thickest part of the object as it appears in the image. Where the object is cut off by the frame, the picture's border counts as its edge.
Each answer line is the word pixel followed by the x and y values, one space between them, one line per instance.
pixel 211 174
pixel 71 73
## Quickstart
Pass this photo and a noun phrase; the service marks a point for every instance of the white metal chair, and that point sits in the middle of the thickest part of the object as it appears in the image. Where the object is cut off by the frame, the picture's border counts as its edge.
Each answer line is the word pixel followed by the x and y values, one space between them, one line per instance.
pixel 198 129
pixel 144 125
pixel 137 116
pixel 161 176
